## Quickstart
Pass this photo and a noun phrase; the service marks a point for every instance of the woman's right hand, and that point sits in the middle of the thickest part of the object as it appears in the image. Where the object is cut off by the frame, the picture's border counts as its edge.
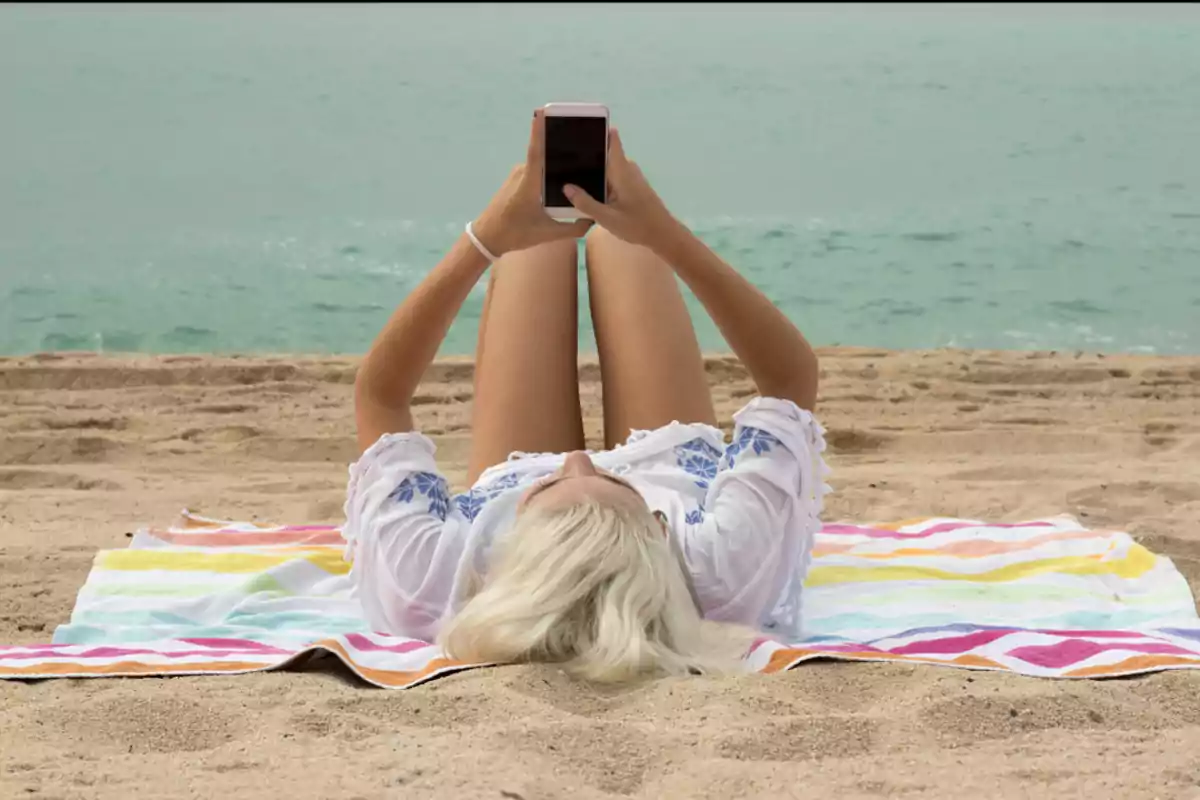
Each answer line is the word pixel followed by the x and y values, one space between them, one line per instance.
pixel 634 212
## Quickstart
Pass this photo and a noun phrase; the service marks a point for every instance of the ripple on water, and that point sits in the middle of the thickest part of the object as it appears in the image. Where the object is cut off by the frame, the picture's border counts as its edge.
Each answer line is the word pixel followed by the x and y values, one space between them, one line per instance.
pixel 30 291
pixel 1077 306
pixel 68 341
pixel 120 341
pixel 338 308
pixel 932 236
pixel 189 330
pixel 894 308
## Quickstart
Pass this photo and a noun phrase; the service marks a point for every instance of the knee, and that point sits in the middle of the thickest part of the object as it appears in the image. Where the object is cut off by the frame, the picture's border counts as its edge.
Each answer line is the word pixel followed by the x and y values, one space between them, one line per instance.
pixel 600 238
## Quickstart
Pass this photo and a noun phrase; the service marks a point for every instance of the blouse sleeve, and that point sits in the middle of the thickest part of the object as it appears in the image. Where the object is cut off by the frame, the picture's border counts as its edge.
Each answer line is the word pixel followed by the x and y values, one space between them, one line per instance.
pixel 760 514
pixel 404 536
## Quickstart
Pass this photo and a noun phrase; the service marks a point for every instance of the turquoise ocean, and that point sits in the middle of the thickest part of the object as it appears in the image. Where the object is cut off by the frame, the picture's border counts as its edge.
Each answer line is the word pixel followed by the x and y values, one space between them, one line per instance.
pixel 275 179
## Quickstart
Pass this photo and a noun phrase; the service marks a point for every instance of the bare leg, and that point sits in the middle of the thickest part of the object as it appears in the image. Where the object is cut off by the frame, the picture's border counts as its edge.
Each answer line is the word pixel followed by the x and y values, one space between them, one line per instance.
pixel 650 364
pixel 526 360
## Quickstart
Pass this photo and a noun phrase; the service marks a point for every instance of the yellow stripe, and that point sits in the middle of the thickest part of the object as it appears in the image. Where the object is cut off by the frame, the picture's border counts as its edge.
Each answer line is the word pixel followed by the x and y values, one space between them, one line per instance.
pixel 1136 563
pixel 904 523
pixel 228 563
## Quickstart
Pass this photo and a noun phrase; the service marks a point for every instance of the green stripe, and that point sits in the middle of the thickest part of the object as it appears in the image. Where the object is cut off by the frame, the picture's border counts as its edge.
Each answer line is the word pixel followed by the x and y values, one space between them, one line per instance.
pixel 260 584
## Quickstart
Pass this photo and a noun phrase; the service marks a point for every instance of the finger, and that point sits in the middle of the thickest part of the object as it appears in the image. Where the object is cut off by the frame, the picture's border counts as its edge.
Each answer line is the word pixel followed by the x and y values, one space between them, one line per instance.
pixel 586 203
pixel 616 151
pixel 537 141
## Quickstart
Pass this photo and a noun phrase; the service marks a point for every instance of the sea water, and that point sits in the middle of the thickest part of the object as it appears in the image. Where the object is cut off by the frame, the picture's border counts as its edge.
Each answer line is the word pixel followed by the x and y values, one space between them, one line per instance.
pixel 252 178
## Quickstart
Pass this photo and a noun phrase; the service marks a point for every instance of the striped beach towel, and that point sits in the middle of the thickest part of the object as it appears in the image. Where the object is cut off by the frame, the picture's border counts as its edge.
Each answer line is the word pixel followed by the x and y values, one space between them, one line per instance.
pixel 1045 598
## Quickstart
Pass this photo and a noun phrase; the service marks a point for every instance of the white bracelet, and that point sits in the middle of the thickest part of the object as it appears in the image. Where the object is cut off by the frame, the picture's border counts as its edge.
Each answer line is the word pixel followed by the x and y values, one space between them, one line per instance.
pixel 479 245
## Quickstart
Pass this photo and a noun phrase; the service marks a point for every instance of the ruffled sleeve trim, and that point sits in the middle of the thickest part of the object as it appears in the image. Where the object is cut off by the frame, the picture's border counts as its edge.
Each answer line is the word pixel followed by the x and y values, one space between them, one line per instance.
pixel 412 446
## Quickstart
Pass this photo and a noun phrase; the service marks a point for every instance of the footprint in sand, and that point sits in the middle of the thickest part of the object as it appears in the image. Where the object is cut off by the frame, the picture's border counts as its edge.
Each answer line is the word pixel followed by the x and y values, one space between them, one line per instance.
pixel 225 408
pixel 157 723
pixel 88 423
pixel 39 450
pixel 612 757
pixel 326 726
pixel 24 479
pixel 1133 500
pixel 425 709
pixel 227 434
pixel 852 441
pixel 973 719
pixel 807 738
pixel 284 449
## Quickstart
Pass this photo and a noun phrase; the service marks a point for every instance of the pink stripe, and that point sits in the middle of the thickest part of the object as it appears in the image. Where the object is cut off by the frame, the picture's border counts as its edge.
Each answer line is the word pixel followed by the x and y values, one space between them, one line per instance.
pixel 360 642
pixel 757 644
pixel 883 533
pixel 874 533
pixel 1072 651
pixel 958 526
pixel 200 531
pixel 952 644
pixel 122 652
pixel 233 644
pixel 1093 634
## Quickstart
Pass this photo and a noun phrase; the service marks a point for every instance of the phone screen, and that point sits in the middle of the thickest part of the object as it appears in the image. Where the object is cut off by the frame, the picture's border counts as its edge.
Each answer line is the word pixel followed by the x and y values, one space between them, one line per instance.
pixel 576 148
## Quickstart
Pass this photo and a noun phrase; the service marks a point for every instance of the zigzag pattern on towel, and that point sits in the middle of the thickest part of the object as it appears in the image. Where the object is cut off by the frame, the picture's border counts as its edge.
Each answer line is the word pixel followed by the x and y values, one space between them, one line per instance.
pixel 1044 598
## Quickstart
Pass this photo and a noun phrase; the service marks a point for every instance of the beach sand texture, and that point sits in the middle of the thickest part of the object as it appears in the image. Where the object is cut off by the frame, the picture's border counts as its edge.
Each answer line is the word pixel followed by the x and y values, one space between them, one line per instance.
pixel 92 447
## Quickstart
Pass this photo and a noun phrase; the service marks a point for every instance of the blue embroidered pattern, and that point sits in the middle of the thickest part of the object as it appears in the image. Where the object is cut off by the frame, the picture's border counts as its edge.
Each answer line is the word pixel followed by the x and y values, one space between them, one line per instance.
pixel 754 439
pixel 699 459
pixel 694 517
pixel 472 502
pixel 429 485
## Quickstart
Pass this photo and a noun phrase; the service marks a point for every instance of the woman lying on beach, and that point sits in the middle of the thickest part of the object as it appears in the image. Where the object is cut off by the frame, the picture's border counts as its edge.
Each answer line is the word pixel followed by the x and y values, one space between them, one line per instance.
pixel 604 562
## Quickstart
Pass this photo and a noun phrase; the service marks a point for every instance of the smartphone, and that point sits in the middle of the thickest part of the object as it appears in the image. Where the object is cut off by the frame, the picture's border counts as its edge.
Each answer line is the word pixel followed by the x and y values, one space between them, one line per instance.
pixel 576 149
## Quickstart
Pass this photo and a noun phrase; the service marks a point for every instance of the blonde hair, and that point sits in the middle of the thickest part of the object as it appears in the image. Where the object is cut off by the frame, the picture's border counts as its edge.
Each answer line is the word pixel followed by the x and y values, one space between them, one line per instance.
pixel 596 588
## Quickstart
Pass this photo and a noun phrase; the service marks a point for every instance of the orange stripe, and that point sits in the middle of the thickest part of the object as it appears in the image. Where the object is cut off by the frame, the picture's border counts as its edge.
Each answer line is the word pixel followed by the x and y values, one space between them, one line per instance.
pixel 968 660
pixel 1133 663
pixel 141 668
pixel 781 659
pixel 393 677
pixel 831 549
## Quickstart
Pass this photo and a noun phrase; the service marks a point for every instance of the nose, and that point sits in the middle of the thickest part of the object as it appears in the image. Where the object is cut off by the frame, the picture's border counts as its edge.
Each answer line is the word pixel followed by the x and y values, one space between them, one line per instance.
pixel 578 464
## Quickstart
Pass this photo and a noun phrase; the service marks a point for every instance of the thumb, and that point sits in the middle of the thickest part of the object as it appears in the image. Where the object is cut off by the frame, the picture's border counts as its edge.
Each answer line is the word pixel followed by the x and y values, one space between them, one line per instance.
pixel 586 203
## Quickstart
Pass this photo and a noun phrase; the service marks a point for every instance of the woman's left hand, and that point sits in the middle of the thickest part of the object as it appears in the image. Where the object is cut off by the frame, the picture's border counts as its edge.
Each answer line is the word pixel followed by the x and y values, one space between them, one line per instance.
pixel 515 219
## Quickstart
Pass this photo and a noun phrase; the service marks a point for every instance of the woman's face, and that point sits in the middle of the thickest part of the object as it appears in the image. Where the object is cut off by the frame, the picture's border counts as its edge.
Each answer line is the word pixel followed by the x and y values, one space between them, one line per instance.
pixel 578 480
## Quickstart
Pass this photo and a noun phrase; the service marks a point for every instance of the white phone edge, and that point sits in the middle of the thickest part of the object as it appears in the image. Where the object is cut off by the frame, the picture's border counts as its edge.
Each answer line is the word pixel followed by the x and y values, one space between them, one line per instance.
pixel 570 213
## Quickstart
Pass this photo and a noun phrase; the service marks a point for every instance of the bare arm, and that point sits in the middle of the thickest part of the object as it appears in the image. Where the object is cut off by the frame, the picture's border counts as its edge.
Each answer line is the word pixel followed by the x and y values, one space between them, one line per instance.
pixel 779 358
pixel 406 346
pixel 403 351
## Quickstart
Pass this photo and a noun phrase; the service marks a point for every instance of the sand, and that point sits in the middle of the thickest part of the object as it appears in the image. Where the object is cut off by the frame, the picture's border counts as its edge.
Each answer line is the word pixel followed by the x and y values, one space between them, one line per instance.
pixel 92 447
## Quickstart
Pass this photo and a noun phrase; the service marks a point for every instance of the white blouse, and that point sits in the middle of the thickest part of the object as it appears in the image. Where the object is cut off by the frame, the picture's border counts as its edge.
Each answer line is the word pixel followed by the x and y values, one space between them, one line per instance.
pixel 744 515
